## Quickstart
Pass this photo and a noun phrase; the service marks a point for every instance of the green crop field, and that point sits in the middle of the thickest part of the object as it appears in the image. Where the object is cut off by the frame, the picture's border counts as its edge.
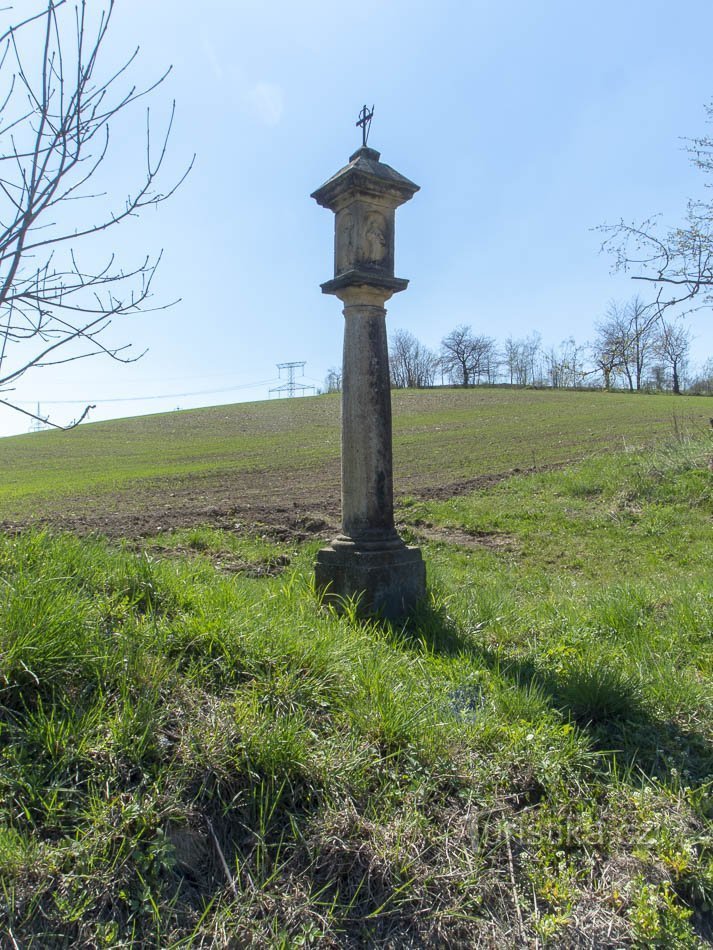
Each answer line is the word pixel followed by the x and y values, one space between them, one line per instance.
pixel 284 452
pixel 195 753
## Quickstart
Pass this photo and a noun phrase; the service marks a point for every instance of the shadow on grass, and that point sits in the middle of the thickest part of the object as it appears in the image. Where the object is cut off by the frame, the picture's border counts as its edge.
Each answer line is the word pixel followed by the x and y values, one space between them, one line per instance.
pixel 603 699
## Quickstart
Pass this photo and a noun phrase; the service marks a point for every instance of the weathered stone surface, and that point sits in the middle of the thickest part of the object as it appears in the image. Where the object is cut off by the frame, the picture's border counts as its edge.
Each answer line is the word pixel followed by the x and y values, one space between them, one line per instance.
pixel 367 482
pixel 368 560
pixel 388 583
pixel 365 176
pixel 364 196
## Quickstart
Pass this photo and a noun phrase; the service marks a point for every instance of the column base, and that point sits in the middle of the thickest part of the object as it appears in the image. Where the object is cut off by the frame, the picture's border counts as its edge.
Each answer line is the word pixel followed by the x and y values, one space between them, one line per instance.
pixel 388 582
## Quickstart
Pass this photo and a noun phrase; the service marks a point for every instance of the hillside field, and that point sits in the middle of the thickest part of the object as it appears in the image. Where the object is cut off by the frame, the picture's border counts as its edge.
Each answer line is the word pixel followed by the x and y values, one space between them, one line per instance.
pixel 195 753
pixel 277 462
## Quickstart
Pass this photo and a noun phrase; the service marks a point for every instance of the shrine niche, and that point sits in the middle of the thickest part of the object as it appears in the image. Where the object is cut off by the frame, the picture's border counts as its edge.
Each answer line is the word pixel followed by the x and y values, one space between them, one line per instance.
pixel 364 238
pixel 375 241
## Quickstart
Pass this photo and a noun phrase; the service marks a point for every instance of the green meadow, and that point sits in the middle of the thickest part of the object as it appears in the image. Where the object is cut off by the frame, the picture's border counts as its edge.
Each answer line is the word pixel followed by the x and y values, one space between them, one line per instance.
pixel 440 437
pixel 195 753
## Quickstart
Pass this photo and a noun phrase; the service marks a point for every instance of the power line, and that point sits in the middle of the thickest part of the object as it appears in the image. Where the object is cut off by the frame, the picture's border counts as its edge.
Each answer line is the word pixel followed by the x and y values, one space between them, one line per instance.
pixel 291 386
pixel 198 392
pixel 39 422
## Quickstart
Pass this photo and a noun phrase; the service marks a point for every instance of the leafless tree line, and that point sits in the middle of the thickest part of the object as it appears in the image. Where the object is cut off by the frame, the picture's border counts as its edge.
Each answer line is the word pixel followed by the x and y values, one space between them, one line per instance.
pixel 636 346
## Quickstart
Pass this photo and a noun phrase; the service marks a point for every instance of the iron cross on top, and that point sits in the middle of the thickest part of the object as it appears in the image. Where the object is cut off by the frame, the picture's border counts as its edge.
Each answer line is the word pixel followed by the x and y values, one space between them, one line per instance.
pixel 364 120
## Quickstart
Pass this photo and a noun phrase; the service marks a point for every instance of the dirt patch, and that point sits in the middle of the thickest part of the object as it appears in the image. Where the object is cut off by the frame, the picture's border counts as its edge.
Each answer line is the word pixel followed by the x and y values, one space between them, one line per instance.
pixel 284 506
pixel 461 537
pixel 481 482
pixel 289 508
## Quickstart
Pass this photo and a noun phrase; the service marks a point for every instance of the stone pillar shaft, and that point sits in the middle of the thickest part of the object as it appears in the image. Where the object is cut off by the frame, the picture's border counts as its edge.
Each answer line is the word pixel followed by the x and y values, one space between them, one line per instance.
pixel 367 481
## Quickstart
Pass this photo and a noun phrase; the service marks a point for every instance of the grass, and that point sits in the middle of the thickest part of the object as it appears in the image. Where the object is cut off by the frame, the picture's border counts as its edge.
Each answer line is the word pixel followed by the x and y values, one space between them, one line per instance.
pixel 194 753
pixel 440 437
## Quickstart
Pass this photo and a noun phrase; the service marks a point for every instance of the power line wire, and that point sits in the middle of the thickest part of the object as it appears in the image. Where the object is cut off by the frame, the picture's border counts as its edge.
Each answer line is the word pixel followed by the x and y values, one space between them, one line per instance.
pixel 199 392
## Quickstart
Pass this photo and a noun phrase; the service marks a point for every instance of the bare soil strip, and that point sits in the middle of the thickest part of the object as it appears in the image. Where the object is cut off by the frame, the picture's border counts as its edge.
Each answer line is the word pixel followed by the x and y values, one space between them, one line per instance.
pixel 285 506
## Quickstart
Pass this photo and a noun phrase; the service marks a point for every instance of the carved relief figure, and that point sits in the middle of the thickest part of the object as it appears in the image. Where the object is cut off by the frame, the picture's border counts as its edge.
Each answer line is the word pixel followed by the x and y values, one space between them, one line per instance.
pixel 375 238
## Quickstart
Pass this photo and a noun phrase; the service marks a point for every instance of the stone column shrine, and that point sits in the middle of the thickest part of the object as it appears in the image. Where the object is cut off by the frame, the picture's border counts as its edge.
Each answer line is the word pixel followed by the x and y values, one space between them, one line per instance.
pixel 367 559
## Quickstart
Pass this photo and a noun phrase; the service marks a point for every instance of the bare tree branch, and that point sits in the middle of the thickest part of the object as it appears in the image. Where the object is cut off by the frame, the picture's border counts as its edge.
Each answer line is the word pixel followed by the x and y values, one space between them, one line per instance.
pixel 44 419
pixel 55 134
pixel 678 261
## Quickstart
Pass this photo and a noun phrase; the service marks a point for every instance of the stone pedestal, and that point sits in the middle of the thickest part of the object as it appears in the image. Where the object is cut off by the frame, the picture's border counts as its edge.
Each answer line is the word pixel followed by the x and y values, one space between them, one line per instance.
pixel 368 560
pixel 387 582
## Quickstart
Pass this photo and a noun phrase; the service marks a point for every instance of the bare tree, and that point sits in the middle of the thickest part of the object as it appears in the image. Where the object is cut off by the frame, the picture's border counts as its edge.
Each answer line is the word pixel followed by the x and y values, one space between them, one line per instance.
pixel 490 361
pixel 457 355
pixel 625 341
pixel 564 364
pixel 333 380
pixel 532 351
pixel 611 345
pixel 522 359
pixel 640 336
pixel 702 383
pixel 411 364
pixel 56 112
pixel 657 377
pixel 511 358
pixel 672 345
pixel 607 347
pixel 465 357
pixel 677 261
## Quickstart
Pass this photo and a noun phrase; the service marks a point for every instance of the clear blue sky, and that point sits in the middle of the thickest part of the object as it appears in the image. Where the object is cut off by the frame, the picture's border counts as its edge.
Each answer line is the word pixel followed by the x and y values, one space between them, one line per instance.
pixel 525 124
